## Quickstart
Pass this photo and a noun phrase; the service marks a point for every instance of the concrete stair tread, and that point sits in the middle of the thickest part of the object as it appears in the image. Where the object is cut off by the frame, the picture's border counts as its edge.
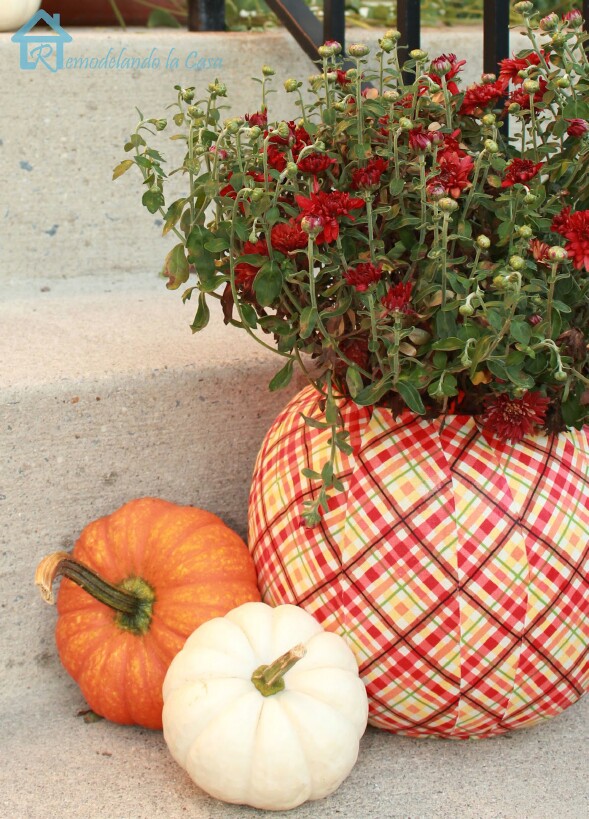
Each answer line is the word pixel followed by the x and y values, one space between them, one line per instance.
pixel 56 765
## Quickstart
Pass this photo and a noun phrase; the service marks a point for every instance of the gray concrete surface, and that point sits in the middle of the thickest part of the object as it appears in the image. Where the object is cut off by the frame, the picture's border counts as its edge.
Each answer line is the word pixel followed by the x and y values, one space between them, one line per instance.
pixel 105 395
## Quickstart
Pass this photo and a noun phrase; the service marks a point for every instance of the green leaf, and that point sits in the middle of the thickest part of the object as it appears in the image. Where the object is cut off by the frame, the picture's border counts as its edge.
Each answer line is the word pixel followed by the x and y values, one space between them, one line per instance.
pixel 122 168
pixel 327 473
pixel 173 215
pixel 410 396
pixel 447 344
pixel 217 244
pixel 176 267
pixel 354 381
pixel 521 331
pixel 268 283
pixel 307 321
pixel 396 186
pixel 314 423
pixel 202 316
pixel 248 314
pixel 153 199
pixel 370 394
pixel 282 377
pixel 310 473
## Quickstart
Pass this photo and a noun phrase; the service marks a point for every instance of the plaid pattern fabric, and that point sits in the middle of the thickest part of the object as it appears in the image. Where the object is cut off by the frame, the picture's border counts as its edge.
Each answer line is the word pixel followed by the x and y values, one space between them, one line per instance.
pixel 456 570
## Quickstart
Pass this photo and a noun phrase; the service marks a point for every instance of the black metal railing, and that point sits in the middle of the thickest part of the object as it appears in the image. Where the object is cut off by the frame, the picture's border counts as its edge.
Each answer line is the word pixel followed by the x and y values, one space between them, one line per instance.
pixel 310 32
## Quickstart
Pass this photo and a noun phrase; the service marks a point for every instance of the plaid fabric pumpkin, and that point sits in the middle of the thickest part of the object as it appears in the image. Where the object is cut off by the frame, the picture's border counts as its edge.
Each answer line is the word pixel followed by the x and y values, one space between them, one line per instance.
pixel 457 570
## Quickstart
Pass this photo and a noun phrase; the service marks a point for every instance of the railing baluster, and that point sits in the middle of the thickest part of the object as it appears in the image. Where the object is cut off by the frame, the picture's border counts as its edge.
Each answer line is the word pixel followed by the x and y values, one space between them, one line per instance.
pixel 495 34
pixel 206 15
pixel 409 23
pixel 334 21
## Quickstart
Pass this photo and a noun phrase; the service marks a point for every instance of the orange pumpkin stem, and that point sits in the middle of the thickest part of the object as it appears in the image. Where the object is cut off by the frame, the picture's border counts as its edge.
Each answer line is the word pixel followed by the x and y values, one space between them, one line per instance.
pixel 269 679
pixel 132 599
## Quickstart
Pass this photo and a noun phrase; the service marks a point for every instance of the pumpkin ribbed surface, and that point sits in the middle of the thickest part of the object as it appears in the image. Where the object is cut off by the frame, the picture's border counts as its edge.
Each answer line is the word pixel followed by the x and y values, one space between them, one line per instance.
pixel 456 569
pixel 198 569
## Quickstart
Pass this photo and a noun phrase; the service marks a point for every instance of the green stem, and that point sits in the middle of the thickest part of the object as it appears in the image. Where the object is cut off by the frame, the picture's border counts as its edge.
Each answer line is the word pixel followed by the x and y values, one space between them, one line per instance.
pixel 269 679
pixel 132 599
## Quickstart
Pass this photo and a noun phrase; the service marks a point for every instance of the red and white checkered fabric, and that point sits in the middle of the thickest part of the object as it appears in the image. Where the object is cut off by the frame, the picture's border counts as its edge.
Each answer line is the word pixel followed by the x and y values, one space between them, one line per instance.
pixel 456 570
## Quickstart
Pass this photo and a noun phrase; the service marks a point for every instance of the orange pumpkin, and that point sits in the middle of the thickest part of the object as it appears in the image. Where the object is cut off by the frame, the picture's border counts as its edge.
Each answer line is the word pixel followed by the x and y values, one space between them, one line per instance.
pixel 136 585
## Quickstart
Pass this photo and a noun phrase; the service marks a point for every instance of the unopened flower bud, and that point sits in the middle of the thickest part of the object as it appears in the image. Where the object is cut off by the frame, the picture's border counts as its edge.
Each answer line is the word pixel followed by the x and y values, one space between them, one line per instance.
pixel 319 145
pixel 574 18
pixel 194 112
pixel 291 84
pixel 291 169
pixel 448 205
pixel 489 119
pixel 358 50
pixel 283 130
pixel 466 310
pixel 577 127
pixel 257 194
pixel 500 281
pixel 516 263
pixel 232 125
pixel 530 198
pixel 549 23
pixel 435 191
pixel 187 94
pixel 386 44
pixel 313 225
pixel 440 65
pixel 351 74
pixel 418 55
pixel 514 108
pixel 525 8
pixel 488 79
pixel 255 132
pixel 218 89
pixel 340 106
pixel 160 124
pixel 491 146
pixel 392 34
pixel 519 392
pixel 531 86
pixel 557 254
pixel 560 375
pixel 405 123
pixel 524 231
pixel 268 71
pixel 391 94
pixel 483 242
pixel 563 82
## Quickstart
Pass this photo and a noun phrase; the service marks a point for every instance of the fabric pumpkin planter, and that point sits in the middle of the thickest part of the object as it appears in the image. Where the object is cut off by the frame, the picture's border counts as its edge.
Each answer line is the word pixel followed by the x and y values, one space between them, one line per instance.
pixel 457 569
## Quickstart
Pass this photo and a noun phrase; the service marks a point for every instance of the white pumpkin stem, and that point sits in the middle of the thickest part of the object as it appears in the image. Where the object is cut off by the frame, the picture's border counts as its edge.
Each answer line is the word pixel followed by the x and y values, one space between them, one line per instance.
pixel 269 679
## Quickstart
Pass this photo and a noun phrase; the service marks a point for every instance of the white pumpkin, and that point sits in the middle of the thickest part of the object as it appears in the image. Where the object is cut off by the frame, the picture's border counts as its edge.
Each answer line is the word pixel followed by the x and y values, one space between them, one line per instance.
pixel 253 731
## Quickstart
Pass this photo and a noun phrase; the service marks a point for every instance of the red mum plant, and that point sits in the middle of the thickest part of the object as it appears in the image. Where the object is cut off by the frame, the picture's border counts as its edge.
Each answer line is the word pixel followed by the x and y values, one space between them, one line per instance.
pixel 395 241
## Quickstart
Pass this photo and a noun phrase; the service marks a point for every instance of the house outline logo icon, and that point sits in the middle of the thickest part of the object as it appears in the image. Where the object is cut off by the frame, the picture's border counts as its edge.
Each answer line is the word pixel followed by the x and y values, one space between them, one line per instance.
pixel 44 47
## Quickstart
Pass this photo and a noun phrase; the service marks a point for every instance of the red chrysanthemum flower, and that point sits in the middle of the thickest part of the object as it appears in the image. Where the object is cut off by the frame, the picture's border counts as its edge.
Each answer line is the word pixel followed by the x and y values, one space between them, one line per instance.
pixel 520 170
pixel 315 163
pixel 439 63
pixel 539 250
pixel 363 275
pixel 509 69
pixel 479 97
pixel 260 118
pixel 288 236
pixel 356 349
pixel 577 127
pixel 561 221
pixel 297 139
pixel 328 207
pixel 454 173
pixel 511 419
pixel 451 143
pixel 398 298
pixel 369 175
pixel 522 98
pixel 576 232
